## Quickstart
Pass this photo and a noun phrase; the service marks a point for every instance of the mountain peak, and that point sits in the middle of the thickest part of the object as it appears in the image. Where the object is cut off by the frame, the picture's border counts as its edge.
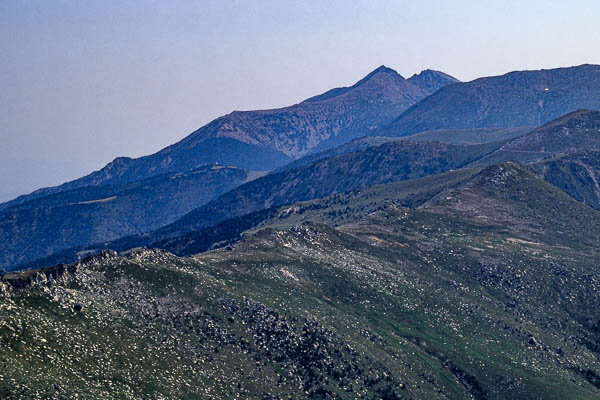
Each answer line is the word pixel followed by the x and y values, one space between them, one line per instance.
pixel 431 81
pixel 433 72
pixel 382 69
pixel 379 72
pixel 500 174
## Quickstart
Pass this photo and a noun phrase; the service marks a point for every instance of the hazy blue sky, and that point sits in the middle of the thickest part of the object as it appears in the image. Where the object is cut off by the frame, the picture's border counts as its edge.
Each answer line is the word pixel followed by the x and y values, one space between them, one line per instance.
pixel 84 81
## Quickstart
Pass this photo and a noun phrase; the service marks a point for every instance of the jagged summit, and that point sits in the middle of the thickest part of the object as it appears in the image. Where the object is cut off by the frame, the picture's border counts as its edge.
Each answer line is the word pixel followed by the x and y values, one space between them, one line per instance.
pixel 323 121
pixel 433 72
pixel 431 81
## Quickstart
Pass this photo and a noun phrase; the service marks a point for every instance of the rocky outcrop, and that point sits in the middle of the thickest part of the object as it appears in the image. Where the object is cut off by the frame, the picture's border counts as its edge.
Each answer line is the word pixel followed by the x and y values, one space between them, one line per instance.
pixel 59 273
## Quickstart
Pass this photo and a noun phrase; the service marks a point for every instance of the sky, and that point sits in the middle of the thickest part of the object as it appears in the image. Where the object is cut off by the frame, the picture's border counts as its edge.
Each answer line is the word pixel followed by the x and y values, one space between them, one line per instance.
pixel 83 82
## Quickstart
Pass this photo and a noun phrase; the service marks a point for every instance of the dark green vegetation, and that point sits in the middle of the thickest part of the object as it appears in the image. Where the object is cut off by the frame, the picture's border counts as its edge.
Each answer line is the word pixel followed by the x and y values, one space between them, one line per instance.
pixel 521 98
pixel 485 288
pixel 93 214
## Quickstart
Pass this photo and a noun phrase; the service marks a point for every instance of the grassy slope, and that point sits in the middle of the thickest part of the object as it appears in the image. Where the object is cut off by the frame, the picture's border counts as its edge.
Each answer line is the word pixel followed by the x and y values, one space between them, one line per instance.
pixel 434 302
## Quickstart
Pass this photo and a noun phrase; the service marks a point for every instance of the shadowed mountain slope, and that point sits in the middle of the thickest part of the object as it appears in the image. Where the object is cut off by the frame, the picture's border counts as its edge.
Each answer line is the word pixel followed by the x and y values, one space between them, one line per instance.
pixel 93 214
pixel 455 137
pixel 576 131
pixel 577 174
pixel 333 210
pixel 389 162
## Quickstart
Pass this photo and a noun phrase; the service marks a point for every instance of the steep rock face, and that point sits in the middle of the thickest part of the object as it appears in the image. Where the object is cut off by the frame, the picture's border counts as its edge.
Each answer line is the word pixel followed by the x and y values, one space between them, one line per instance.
pixel 521 98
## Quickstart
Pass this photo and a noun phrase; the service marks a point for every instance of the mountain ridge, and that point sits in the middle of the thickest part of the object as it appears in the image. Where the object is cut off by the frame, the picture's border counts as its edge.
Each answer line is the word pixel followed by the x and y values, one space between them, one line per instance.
pixel 375 160
pixel 262 140
pixel 96 214
pixel 518 98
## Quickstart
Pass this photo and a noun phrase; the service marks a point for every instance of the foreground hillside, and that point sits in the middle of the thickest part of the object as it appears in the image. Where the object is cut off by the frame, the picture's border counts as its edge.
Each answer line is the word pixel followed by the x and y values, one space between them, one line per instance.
pixel 486 288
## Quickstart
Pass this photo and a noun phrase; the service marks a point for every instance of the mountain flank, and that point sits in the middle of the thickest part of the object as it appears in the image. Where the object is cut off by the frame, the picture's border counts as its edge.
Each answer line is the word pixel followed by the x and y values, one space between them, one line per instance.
pixel 96 214
pixel 516 99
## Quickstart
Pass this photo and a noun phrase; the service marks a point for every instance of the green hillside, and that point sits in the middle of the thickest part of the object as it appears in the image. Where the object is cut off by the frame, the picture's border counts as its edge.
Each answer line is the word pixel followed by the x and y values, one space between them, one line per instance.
pixel 486 288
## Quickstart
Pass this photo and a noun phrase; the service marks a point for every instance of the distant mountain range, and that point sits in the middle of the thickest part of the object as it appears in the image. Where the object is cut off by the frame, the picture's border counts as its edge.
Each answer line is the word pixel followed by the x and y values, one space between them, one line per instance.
pixel 95 214
pixel 373 161
pixel 266 139
pixel 378 105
